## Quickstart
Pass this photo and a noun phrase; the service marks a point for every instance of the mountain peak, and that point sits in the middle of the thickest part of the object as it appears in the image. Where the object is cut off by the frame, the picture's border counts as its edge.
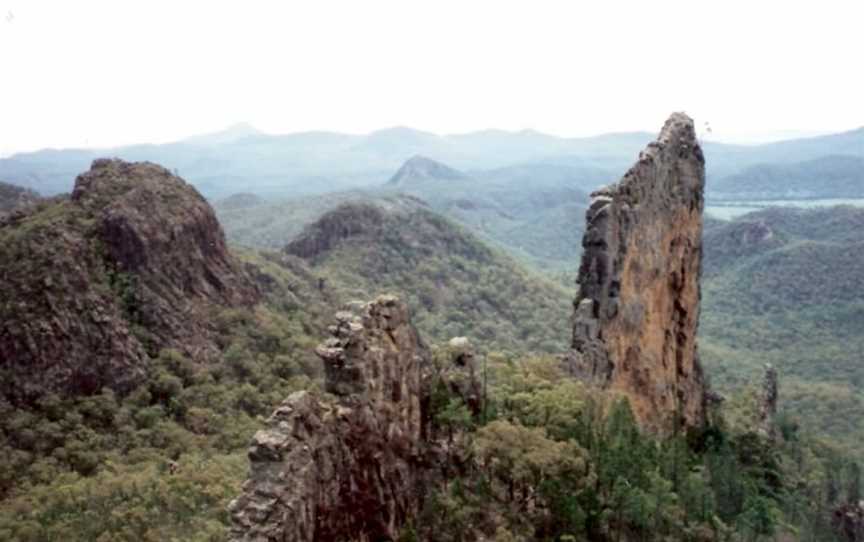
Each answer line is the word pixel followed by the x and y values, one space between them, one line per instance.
pixel 420 169
pixel 100 281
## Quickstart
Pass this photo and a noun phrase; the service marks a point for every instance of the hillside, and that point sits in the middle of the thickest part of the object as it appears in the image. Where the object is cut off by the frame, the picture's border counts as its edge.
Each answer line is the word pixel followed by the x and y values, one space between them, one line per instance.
pixel 137 355
pixel 269 225
pixel 784 286
pixel 93 284
pixel 455 284
pixel 536 210
pixel 835 176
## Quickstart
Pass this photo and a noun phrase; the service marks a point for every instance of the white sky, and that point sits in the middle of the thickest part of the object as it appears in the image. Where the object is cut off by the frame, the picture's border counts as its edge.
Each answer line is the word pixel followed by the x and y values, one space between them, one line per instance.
pixel 90 73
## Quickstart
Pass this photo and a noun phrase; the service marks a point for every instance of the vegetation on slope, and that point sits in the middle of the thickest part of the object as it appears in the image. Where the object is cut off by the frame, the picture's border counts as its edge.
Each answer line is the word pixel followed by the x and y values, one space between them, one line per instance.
pixel 161 462
pixel 551 459
pixel 784 286
pixel 824 177
pixel 455 284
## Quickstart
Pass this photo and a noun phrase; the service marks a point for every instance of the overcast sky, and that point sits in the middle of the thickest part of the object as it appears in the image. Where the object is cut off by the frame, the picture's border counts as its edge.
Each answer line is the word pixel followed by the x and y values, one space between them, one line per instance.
pixel 87 73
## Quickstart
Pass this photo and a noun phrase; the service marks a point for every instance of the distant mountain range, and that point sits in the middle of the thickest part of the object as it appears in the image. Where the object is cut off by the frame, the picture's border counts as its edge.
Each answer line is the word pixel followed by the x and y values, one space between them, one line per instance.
pixel 522 207
pixel 242 159
pixel 833 176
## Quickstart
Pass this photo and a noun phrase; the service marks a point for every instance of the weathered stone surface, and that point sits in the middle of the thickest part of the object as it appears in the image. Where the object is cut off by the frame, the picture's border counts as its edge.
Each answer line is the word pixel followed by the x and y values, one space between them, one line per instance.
pixel 349 468
pixel 134 261
pixel 637 310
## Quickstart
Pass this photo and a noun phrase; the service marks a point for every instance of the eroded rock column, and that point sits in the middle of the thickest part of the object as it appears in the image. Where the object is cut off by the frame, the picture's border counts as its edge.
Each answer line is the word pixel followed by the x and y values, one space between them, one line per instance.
pixel 347 469
pixel 637 310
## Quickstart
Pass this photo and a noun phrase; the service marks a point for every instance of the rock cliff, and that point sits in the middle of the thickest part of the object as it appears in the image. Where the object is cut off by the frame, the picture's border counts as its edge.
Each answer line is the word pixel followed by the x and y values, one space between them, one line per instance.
pixel 353 466
pixel 637 309
pixel 94 284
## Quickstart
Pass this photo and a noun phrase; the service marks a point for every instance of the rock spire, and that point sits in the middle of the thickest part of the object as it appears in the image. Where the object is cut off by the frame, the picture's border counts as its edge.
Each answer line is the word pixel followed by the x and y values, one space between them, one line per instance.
pixel 637 310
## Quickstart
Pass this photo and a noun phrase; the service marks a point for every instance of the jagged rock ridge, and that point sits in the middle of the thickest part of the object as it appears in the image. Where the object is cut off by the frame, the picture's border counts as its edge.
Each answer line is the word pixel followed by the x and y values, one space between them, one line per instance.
pixel 637 310
pixel 353 468
pixel 134 261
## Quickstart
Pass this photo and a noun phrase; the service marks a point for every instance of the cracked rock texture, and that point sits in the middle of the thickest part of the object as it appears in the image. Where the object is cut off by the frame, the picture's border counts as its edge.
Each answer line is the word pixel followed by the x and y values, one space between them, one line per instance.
pixel 637 310
pixel 348 467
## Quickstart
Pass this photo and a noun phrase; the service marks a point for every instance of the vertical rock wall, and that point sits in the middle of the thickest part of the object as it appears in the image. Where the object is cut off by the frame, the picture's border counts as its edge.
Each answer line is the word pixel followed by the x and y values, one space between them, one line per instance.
pixel 637 310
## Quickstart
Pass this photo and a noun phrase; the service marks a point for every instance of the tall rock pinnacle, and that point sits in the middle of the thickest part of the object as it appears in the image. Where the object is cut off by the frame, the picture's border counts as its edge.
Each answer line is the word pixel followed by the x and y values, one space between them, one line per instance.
pixel 354 464
pixel 344 469
pixel 637 310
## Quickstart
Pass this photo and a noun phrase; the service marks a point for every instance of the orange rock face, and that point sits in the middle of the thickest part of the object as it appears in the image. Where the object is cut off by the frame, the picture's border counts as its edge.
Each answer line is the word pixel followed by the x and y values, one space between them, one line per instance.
pixel 637 311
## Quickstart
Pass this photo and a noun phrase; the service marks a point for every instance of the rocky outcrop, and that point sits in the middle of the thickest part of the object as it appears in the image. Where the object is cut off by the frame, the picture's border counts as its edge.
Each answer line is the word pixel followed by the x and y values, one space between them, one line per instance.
pixel 159 230
pixel 133 262
pixel 354 466
pixel 768 403
pixel 848 522
pixel 343 469
pixel 637 310
pixel 347 221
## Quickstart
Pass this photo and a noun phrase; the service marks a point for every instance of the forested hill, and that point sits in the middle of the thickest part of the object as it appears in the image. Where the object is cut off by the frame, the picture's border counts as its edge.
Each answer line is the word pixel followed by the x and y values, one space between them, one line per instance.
pixel 784 286
pixel 455 284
